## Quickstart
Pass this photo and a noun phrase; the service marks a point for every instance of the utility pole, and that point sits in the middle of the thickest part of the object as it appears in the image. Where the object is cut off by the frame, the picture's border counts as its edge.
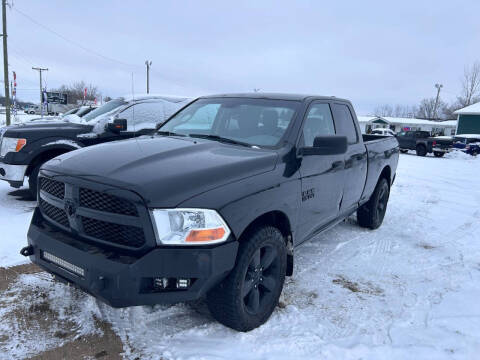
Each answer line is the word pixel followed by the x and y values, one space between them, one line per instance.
pixel 41 91
pixel 438 86
pixel 5 61
pixel 148 63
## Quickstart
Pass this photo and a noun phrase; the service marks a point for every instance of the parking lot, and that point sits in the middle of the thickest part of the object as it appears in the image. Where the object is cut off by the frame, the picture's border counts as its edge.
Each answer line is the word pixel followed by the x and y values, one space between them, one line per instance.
pixel 408 289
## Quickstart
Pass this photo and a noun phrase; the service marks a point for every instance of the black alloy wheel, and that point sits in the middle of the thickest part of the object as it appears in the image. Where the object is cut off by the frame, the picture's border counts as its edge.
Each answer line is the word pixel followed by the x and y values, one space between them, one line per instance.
pixel 261 279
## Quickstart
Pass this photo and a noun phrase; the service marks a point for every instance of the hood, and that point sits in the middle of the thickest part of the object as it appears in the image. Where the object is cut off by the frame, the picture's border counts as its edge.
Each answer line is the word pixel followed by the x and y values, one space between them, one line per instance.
pixel 43 126
pixel 165 171
pixel 35 130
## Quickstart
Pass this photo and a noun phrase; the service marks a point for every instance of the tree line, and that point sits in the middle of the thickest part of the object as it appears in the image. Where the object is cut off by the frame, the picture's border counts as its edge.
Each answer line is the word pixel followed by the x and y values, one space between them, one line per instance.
pixel 469 94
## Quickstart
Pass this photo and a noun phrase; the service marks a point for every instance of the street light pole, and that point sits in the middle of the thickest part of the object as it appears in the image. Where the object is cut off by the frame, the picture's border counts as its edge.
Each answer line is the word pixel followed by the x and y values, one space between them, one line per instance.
pixel 148 63
pixel 438 86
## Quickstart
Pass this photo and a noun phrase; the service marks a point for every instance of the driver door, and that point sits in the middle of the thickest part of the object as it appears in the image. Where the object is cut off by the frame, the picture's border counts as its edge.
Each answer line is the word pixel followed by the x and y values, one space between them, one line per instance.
pixel 322 176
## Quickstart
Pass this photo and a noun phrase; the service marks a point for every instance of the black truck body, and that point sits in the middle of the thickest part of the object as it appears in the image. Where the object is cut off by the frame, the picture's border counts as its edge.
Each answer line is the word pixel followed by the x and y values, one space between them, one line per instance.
pixel 423 143
pixel 95 225
pixel 45 139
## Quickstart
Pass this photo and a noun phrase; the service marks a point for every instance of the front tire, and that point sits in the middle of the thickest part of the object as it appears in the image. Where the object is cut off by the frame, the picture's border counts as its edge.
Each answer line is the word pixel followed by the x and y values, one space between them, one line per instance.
pixel 250 293
pixel 33 181
pixel 370 215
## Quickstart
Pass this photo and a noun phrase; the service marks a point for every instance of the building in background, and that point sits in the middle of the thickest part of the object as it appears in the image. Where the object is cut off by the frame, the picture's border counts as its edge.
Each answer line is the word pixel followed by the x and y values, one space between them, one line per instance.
pixel 368 123
pixel 469 119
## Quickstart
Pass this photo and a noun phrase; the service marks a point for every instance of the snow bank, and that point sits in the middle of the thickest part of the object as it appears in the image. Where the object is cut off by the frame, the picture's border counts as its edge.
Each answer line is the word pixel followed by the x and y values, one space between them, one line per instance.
pixel 408 290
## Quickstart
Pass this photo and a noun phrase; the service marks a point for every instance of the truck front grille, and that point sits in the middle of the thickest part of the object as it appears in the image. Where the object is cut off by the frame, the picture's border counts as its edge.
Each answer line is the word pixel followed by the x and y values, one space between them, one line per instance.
pixel 56 214
pixel 105 202
pixel 95 215
pixel 114 233
pixel 53 187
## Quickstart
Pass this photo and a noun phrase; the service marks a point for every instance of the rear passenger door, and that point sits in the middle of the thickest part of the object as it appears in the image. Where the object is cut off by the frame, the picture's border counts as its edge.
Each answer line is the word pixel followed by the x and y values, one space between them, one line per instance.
pixel 322 176
pixel 355 157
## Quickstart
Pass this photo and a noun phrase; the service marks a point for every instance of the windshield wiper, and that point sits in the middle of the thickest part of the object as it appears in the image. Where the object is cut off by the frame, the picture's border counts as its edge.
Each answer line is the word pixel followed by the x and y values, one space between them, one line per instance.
pixel 220 139
pixel 168 133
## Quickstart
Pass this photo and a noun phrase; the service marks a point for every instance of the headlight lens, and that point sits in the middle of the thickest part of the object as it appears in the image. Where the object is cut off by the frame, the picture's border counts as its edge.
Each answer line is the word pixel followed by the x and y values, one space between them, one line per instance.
pixel 12 145
pixel 189 227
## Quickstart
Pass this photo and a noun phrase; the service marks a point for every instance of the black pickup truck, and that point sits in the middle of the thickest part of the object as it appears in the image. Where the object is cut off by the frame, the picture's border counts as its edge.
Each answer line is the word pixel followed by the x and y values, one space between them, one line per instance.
pixel 25 147
pixel 213 204
pixel 423 143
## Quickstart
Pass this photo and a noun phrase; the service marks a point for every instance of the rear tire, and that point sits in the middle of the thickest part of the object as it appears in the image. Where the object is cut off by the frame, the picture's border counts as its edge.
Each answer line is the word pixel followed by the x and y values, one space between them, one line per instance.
pixel 246 298
pixel 33 181
pixel 421 150
pixel 370 215
pixel 438 154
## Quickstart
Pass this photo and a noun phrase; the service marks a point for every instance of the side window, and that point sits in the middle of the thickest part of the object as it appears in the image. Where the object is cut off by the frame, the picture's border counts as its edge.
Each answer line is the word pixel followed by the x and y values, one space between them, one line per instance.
pixel 344 123
pixel 144 115
pixel 318 122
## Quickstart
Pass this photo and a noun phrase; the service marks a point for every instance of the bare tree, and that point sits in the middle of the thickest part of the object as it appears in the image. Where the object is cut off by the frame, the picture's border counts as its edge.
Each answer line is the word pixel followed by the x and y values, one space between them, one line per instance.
pixel 75 92
pixel 470 85
pixel 426 109
pixel 383 110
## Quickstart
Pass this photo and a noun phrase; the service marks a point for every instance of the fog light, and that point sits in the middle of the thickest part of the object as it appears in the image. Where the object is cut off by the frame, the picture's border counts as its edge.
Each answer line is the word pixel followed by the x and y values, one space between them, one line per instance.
pixel 183 283
pixel 160 283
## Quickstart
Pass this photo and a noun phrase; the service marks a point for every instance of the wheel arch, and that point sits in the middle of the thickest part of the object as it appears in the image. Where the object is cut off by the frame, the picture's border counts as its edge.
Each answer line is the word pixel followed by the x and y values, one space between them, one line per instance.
pixel 47 154
pixel 279 220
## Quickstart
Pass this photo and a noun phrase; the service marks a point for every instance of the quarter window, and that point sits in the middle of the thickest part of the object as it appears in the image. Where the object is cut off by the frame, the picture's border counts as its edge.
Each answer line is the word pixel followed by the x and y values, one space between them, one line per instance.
pixel 344 123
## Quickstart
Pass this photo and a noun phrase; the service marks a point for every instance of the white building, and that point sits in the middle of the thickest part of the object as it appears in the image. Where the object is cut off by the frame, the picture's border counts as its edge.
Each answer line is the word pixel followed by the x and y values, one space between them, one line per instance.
pixel 368 123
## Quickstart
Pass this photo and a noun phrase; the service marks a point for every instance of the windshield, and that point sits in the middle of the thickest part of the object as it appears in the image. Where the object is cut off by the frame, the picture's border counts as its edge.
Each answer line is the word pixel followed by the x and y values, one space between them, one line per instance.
pixel 259 122
pixel 105 108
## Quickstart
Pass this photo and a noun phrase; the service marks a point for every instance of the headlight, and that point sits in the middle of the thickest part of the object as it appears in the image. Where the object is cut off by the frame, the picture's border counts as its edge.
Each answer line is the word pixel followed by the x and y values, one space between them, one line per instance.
pixel 12 144
pixel 189 227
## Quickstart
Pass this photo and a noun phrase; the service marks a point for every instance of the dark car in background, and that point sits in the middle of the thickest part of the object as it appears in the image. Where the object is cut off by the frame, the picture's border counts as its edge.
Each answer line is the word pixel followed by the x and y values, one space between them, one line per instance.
pixel 25 147
pixel 468 143
pixel 423 143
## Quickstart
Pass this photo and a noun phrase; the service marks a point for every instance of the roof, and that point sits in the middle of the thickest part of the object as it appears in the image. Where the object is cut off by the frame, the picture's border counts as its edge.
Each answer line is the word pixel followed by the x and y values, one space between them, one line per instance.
pixel 171 98
pixel 274 96
pixel 407 121
pixel 473 109
pixel 468 136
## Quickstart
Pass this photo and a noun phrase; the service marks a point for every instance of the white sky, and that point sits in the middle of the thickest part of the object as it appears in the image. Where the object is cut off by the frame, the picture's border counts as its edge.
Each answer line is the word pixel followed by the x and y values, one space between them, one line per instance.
pixel 371 52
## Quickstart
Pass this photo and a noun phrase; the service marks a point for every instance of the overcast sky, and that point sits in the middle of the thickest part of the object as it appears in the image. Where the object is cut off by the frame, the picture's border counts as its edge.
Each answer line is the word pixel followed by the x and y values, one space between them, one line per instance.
pixel 371 52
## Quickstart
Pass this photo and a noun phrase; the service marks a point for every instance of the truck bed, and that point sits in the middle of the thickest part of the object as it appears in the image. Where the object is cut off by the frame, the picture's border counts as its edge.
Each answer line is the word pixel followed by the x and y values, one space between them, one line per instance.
pixel 381 151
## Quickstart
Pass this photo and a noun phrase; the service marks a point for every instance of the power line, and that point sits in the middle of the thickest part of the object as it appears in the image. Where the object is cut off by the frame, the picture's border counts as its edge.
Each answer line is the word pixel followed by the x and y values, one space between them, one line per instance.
pixel 93 52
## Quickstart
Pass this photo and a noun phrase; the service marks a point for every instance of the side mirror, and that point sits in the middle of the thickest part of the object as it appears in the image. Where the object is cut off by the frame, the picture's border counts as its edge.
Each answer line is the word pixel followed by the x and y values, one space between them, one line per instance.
pixel 327 145
pixel 117 125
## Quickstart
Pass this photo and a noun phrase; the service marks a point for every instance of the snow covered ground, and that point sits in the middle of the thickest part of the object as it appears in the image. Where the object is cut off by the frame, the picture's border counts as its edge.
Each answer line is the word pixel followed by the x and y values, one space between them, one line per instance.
pixel 21 117
pixel 410 289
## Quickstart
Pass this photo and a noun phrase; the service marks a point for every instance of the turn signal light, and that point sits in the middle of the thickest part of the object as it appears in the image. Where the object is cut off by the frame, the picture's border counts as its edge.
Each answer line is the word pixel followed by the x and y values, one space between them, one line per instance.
pixel 20 144
pixel 205 235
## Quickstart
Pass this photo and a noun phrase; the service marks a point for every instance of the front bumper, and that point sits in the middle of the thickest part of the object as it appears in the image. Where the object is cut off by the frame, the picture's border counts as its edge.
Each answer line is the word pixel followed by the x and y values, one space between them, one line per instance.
pixel 120 281
pixel 12 173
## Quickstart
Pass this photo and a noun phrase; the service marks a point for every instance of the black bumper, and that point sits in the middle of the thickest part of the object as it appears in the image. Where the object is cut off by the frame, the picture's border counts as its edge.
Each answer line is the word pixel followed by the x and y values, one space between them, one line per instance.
pixel 122 283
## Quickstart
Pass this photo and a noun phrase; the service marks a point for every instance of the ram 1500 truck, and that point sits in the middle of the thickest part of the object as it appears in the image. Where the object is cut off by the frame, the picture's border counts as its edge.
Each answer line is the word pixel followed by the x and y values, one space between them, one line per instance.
pixel 26 146
pixel 214 203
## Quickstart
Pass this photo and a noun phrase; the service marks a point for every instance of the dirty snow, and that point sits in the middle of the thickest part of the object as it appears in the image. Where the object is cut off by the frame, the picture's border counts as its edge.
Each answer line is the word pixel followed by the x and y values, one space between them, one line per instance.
pixel 407 290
